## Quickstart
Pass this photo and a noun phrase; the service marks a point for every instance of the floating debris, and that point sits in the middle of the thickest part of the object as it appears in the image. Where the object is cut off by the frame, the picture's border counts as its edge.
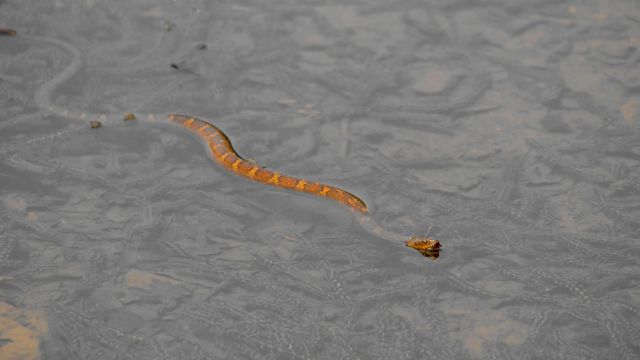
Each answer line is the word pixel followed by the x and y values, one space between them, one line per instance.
pixel 8 32
pixel 129 116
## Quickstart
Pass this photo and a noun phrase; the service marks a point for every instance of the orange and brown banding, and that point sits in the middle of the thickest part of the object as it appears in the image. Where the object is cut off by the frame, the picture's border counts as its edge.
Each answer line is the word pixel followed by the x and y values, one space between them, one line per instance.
pixel 222 152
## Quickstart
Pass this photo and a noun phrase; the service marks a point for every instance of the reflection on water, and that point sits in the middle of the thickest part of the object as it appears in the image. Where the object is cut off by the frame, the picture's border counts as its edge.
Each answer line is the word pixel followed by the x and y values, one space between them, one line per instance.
pixel 507 131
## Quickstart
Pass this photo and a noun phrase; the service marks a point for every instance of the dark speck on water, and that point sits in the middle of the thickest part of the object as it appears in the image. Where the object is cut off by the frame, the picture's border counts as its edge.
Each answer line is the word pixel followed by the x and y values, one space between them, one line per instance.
pixel 508 130
pixel 8 32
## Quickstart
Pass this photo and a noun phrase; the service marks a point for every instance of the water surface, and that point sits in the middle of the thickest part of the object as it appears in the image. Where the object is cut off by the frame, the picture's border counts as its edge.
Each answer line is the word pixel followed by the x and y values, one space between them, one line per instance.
pixel 508 130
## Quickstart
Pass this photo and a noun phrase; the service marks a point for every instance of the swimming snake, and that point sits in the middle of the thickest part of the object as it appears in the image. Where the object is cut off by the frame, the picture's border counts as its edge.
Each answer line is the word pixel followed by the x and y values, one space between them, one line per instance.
pixel 223 153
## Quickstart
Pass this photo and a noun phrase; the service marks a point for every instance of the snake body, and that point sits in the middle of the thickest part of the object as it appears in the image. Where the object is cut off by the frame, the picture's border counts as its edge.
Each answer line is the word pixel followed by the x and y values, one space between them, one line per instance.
pixel 223 153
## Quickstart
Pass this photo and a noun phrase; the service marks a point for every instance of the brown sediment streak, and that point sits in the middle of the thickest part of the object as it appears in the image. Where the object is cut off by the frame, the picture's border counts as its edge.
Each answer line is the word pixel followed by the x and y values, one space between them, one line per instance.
pixel 222 152
pixel 8 32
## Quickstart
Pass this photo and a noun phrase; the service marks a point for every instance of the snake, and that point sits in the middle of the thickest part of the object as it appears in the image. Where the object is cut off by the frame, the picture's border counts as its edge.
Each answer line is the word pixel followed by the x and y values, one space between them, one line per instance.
pixel 222 152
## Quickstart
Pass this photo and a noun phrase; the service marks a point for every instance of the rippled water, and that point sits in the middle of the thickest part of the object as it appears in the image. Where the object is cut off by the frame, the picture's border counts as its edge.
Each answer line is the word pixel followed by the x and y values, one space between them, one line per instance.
pixel 508 130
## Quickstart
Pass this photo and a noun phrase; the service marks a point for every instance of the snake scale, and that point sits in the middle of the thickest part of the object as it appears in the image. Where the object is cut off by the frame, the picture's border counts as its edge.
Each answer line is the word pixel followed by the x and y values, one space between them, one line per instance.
pixel 223 153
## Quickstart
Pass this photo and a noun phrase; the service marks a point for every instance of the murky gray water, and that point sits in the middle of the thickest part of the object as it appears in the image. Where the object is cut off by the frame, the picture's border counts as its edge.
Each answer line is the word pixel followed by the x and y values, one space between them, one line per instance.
pixel 508 130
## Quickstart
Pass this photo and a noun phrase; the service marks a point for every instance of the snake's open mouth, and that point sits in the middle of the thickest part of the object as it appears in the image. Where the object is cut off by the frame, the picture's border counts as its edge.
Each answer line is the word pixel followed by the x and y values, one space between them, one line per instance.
pixel 425 245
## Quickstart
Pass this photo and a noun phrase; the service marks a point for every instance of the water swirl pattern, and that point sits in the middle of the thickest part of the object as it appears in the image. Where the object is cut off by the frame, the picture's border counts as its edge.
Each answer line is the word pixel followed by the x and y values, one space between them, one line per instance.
pixel 508 130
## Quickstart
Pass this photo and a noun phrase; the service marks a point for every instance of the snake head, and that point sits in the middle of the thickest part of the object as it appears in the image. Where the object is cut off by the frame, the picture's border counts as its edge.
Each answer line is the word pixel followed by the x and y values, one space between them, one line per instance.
pixel 425 245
